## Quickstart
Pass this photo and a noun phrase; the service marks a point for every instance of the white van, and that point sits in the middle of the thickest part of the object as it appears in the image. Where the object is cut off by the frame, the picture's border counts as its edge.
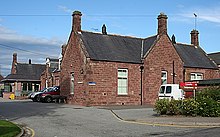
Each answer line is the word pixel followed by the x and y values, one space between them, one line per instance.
pixel 171 91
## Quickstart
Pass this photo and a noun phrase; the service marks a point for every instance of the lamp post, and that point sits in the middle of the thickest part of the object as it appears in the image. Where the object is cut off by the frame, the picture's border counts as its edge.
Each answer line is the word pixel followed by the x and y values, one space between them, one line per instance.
pixel 141 94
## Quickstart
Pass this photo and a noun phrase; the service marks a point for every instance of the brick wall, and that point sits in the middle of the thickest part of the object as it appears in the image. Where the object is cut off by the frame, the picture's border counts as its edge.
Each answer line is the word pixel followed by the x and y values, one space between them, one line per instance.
pixel 73 63
pixel 105 75
pixel 207 73
pixel 160 58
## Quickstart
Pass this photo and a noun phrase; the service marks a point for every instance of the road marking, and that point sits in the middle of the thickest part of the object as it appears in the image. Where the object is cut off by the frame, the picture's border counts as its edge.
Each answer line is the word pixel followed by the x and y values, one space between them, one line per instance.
pixel 161 124
pixel 33 133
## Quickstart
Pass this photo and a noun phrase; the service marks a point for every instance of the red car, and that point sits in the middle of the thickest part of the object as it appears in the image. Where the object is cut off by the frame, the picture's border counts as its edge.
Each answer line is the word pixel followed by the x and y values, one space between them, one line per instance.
pixel 50 95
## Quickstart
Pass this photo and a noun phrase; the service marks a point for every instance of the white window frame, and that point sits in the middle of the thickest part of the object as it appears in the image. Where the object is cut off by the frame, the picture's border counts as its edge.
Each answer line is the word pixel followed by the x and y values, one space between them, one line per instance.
pixel 120 87
pixel 163 79
pixel 196 76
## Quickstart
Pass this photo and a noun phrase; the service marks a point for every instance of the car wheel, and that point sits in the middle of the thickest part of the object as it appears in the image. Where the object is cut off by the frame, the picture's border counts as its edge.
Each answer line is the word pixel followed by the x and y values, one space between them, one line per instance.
pixel 34 99
pixel 48 99
pixel 38 99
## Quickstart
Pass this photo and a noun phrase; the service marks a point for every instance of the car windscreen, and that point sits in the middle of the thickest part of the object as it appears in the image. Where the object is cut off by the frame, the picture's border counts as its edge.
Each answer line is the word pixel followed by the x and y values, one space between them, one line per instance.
pixel 162 88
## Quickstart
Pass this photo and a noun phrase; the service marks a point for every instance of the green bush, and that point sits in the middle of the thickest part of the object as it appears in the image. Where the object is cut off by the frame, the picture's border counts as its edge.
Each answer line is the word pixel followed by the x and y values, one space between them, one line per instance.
pixel 189 107
pixel 174 107
pixel 161 106
pixel 207 104
pixel 208 108
pixel 211 92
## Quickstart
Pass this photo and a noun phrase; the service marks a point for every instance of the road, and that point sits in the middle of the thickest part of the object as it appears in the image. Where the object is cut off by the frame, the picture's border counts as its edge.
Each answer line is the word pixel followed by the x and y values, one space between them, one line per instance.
pixel 63 120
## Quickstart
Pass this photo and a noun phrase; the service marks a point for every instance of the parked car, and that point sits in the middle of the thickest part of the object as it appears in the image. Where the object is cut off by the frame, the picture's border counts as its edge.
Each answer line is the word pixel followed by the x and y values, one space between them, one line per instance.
pixel 35 95
pixel 171 91
pixel 52 94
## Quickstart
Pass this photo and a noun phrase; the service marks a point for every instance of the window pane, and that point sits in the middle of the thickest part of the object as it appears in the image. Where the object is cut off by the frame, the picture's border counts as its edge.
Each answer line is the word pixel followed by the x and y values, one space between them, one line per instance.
pixel 164 75
pixel 122 73
pixel 193 76
pixel 29 86
pixel 168 90
pixel 196 76
pixel 164 81
pixel 24 87
pixel 199 76
pixel 122 81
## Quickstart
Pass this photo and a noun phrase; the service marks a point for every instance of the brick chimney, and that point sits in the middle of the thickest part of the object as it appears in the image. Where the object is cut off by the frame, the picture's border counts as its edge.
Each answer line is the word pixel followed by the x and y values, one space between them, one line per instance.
pixel 14 64
pixel 162 24
pixel 76 24
pixel 195 37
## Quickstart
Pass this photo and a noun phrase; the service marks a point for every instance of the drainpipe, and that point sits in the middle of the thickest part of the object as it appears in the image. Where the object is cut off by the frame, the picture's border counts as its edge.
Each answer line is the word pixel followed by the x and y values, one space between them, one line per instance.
pixel 141 68
pixel 173 74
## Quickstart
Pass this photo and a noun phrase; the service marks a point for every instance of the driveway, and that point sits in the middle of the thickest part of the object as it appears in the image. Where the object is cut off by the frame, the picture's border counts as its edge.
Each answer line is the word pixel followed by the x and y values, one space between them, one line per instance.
pixel 63 120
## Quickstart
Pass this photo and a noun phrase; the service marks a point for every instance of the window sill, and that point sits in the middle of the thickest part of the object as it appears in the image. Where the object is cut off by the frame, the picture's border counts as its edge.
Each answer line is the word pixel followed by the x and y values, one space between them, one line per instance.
pixel 122 95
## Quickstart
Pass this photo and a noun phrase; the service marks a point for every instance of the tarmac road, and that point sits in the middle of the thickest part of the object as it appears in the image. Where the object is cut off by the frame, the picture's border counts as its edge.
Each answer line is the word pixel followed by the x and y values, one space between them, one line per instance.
pixel 63 120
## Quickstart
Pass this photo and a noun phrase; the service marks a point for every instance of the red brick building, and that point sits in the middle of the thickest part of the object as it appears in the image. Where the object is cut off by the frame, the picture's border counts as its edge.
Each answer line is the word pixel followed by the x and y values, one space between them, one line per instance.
pixel 51 75
pixel 106 69
pixel 24 77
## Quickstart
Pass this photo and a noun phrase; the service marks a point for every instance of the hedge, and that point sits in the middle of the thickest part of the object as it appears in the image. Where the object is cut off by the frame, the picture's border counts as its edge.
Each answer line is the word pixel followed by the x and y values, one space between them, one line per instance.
pixel 206 104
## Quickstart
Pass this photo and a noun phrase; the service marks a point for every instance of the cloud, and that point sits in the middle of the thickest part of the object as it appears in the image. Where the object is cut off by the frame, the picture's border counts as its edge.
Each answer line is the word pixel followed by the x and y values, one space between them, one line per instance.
pixel 65 9
pixel 11 35
pixel 204 14
pixel 27 47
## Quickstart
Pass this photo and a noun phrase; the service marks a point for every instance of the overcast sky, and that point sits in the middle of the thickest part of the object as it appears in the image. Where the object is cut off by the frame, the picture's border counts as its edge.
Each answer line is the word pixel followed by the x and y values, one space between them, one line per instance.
pixel 36 29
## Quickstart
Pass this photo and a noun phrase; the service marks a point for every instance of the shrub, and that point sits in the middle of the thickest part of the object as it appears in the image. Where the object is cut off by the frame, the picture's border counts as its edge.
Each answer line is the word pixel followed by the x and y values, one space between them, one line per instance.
pixel 174 107
pixel 189 107
pixel 211 92
pixel 207 104
pixel 209 108
pixel 161 106
pixel 166 106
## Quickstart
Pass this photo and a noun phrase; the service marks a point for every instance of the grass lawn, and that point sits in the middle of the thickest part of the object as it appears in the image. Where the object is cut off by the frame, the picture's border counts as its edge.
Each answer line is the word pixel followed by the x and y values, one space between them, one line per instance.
pixel 8 129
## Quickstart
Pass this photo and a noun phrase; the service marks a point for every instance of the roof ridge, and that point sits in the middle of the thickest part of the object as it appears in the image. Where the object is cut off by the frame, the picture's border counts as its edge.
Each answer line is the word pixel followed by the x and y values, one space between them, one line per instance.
pixel 119 35
pixel 31 64
pixel 151 36
pixel 185 44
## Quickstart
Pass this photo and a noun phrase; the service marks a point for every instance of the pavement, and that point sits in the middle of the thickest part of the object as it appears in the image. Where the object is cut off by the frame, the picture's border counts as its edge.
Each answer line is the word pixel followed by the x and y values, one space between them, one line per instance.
pixel 146 115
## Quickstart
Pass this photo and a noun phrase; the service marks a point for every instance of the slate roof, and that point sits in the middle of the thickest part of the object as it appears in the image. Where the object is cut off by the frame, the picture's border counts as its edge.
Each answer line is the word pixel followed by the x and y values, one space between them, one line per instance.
pixel 128 49
pixel 26 72
pixel 115 47
pixel 215 57
pixel 194 56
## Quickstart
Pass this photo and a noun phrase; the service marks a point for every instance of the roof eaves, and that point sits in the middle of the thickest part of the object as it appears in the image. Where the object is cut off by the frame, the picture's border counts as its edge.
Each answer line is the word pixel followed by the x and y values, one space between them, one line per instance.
pixel 154 43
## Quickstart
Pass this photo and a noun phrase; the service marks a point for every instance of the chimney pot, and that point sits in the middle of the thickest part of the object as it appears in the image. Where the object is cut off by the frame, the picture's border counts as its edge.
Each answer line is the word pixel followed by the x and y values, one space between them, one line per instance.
pixel 195 37
pixel 173 39
pixel 104 30
pixel 29 61
pixel 76 24
pixel 162 24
